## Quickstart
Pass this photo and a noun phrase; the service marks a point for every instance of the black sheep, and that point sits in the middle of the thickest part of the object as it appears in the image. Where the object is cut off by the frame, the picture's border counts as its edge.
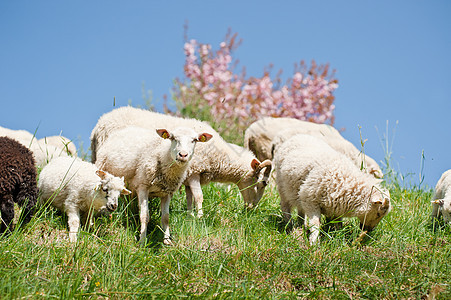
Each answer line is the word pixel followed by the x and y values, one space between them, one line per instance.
pixel 17 182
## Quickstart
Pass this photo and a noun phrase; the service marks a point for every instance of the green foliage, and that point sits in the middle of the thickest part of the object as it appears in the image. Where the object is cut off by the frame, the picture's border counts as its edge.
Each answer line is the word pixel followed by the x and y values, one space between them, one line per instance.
pixel 230 253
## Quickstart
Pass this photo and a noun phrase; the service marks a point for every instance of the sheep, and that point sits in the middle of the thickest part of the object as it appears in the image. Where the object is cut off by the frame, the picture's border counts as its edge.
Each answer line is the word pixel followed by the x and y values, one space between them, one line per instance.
pixel 44 153
pixel 441 203
pixel 314 178
pixel 217 161
pixel 60 141
pixel 17 182
pixel 22 136
pixel 259 138
pixel 79 189
pixel 43 149
pixel 153 165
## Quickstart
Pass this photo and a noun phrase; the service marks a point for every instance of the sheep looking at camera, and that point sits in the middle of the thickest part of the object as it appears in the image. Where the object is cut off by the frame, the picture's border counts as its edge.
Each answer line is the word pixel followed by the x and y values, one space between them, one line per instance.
pixel 217 161
pixel 441 203
pixel 79 189
pixel 153 165
pixel 260 138
pixel 316 179
pixel 17 181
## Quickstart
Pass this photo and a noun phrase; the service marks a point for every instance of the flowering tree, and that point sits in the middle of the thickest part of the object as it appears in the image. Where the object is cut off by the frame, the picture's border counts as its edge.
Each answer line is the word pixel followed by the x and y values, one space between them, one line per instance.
pixel 230 102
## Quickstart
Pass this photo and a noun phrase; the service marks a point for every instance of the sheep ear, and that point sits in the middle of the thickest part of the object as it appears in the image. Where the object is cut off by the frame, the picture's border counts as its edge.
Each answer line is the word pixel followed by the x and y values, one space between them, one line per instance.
pixel 438 201
pixel 376 174
pixel 98 186
pixel 254 164
pixel 101 174
pixel 125 192
pixel 377 201
pixel 204 137
pixel 163 133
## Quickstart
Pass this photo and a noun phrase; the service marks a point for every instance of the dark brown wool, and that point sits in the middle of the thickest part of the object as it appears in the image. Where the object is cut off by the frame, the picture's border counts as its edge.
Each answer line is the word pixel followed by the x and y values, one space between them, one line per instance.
pixel 17 182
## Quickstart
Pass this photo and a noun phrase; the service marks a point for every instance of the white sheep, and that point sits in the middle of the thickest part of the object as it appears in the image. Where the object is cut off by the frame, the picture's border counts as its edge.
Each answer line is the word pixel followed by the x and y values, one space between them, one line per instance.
pixel 316 179
pixel 217 161
pixel 23 136
pixel 441 203
pixel 153 165
pixel 260 135
pixel 60 142
pixel 43 149
pixel 44 153
pixel 79 189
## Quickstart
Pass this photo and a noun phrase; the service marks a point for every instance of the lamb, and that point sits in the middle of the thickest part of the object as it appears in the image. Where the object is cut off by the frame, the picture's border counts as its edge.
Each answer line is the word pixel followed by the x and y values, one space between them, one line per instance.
pixel 441 203
pixel 79 189
pixel 216 161
pixel 153 167
pixel 314 178
pixel 259 138
pixel 17 182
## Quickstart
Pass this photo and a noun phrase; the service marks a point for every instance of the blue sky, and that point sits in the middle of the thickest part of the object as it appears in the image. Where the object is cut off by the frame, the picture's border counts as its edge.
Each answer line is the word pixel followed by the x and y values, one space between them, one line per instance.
pixel 63 62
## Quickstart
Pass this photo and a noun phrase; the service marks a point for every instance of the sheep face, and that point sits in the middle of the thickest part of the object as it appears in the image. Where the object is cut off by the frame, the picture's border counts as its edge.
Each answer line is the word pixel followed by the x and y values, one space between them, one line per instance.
pixel 112 187
pixel 183 141
pixel 378 208
pixel 253 186
pixel 444 208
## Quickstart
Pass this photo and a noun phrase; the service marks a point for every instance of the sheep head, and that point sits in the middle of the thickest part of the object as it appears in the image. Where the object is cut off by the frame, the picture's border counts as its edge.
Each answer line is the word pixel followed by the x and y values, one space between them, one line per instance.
pixel 183 141
pixel 112 187
pixel 378 208
pixel 445 208
pixel 253 186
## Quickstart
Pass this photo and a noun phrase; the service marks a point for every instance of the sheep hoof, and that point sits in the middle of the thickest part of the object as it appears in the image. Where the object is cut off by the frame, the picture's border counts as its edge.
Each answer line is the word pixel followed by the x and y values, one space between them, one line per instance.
pixel 167 241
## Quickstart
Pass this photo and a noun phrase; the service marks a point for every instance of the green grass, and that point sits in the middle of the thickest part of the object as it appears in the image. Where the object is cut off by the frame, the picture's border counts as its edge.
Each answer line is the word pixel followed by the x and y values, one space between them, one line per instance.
pixel 230 253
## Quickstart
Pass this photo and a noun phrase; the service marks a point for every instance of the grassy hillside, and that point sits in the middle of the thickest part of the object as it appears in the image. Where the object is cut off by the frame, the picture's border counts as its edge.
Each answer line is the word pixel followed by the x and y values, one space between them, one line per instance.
pixel 230 253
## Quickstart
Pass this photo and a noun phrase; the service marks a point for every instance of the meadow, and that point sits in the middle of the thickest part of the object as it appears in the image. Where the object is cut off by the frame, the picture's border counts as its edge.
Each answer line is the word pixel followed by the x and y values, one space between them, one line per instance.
pixel 230 253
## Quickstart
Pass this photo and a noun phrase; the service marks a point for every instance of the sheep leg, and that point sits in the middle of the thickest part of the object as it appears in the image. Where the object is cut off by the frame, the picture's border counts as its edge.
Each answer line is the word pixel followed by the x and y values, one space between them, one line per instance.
pixel 143 213
pixel 73 216
pixel 312 213
pixel 27 201
pixel 313 223
pixel 7 210
pixel 189 199
pixel 165 219
pixel 196 192
pixel 285 206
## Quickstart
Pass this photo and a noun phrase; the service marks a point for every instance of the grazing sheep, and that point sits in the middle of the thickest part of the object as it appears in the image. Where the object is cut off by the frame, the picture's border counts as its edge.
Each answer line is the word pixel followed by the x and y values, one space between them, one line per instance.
pixel 260 135
pixel 79 189
pixel 153 165
pixel 17 181
pixel 60 141
pixel 441 203
pixel 316 179
pixel 217 161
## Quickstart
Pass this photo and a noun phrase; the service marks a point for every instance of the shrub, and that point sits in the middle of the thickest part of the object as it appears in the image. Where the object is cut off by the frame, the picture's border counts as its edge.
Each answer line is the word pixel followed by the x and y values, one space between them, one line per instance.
pixel 211 91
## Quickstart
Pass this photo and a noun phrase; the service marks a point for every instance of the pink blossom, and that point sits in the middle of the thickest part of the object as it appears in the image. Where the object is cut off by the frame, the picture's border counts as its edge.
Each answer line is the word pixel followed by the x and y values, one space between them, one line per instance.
pixel 237 101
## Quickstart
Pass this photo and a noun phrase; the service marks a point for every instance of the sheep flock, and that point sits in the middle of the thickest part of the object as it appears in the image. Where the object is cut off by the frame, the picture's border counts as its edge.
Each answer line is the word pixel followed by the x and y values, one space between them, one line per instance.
pixel 137 155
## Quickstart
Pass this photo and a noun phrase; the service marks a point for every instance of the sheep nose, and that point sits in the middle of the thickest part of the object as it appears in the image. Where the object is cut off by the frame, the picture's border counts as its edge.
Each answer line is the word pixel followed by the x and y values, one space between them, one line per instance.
pixel 183 154
pixel 112 207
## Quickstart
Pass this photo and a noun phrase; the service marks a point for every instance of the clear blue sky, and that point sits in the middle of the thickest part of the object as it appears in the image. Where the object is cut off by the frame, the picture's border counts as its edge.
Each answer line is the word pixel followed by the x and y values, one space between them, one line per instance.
pixel 62 62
